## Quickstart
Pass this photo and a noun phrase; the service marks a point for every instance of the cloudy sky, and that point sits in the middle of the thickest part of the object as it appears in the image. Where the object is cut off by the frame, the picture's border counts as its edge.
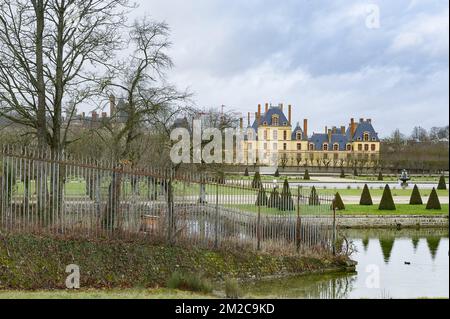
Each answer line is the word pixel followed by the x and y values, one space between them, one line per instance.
pixel 329 59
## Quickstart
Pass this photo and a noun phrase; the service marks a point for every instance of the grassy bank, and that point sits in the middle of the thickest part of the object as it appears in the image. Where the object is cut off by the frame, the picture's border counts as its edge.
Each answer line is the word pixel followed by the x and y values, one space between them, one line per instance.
pixel 402 209
pixel 31 262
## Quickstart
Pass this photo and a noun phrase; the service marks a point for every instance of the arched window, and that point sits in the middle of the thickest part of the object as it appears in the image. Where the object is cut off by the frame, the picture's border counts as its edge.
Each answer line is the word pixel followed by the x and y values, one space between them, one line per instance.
pixel 275 120
pixel 311 147
pixel 325 146
pixel 336 147
pixel 349 147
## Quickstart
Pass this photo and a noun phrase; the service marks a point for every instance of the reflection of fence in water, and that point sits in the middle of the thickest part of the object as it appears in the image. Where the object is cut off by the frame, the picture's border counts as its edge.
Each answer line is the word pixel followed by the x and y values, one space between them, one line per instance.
pixel 58 194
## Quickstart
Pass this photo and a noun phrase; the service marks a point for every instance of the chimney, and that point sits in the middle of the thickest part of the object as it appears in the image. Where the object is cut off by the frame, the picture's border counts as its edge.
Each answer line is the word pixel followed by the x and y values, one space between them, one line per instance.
pixel 352 127
pixel 290 114
pixel 281 107
pixel 343 130
pixel 267 107
pixel 242 123
pixel 249 123
pixel 334 130
pixel 326 129
pixel 305 128
pixel 259 113
pixel 369 121
pixel 329 136
pixel 361 120
pixel 112 104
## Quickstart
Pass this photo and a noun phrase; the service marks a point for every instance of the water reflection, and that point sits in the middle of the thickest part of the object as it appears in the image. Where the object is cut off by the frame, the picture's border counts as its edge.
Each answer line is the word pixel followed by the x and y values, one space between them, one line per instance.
pixel 410 264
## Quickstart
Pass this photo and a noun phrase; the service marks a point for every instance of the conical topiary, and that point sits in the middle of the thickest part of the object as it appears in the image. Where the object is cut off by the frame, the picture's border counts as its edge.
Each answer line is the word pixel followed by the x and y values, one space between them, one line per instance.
pixel 380 176
pixel 262 197
pixel 314 197
pixel 338 202
pixel 274 199
pixel 277 173
pixel 256 183
pixel 246 172
pixel 306 177
pixel 342 174
pixel 433 201
pixel 286 202
pixel 366 198
pixel 387 201
pixel 442 184
pixel 355 172
pixel 416 198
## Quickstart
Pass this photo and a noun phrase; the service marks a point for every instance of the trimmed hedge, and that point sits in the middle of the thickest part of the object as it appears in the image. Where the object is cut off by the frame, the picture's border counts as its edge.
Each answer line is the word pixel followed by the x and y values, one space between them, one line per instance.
pixel 256 183
pixel 246 174
pixel 274 199
pixel 277 173
pixel 338 202
pixel 342 174
pixel 416 198
pixel 314 197
pixel 442 184
pixel 306 176
pixel 387 201
pixel 380 177
pixel 366 198
pixel 286 202
pixel 433 201
pixel 261 200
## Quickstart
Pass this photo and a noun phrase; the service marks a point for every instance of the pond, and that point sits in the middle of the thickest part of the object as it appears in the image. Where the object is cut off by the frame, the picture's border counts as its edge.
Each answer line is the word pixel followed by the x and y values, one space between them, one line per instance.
pixel 391 264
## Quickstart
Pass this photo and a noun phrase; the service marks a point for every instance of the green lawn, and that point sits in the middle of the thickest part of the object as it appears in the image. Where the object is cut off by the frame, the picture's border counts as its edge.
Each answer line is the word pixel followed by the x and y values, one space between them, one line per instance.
pixel 379 192
pixel 304 210
pixel 103 294
pixel 402 209
pixel 393 178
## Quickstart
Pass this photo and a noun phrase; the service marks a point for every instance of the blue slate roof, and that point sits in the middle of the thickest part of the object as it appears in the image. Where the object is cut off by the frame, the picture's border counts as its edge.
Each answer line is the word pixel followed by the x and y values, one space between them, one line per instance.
pixel 363 127
pixel 319 139
pixel 298 129
pixel 267 117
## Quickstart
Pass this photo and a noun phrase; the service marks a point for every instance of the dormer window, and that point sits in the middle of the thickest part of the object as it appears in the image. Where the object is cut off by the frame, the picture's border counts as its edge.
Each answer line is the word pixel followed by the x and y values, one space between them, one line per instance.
pixel 311 147
pixel 366 136
pixel 336 147
pixel 374 139
pixel 265 123
pixel 359 139
pixel 275 120
pixel 299 136
pixel 325 146
pixel 349 147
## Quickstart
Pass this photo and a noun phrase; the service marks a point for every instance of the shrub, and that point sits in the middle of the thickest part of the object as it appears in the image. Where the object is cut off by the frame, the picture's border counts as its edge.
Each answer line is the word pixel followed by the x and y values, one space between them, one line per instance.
pixel 355 172
pixel 387 201
pixel 286 202
pixel 366 198
pixel 442 184
pixel 262 197
pixel 232 289
pixel 274 199
pixel 380 176
pixel 277 173
pixel 433 201
pixel 342 174
pixel 246 174
pixel 416 198
pixel 189 282
pixel 338 202
pixel 314 197
pixel 306 177
pixel 256 183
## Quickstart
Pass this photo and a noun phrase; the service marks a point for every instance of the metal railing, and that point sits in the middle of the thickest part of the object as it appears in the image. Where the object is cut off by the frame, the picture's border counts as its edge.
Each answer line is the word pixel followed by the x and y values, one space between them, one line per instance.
pixel 97 199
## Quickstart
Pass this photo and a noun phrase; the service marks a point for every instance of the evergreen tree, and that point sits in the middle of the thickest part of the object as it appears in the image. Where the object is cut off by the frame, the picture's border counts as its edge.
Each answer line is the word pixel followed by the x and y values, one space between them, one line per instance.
pixel 355 172
pixel 433 201
pixel 416 198
pixel 338 202
pixel 306 177
pixel 366 198
pixel 256 183
pixel 246 174
pixel 286 202
pixel 274 199
pixel 387 201
pixel 277 173
pixel 262 197
pixel 314 197
pixel 442 184
pixel 342 173
pixel 380 176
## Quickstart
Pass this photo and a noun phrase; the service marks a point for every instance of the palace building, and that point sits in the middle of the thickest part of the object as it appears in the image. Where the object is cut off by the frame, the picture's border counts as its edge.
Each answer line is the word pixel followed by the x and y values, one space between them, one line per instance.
pixel 355 144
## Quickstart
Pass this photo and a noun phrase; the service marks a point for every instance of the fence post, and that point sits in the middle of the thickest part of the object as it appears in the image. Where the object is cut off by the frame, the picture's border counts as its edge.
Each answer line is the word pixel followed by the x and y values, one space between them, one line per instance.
pixel 216 219
pixel 334 227
pixel 299 222
pixel 258 228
